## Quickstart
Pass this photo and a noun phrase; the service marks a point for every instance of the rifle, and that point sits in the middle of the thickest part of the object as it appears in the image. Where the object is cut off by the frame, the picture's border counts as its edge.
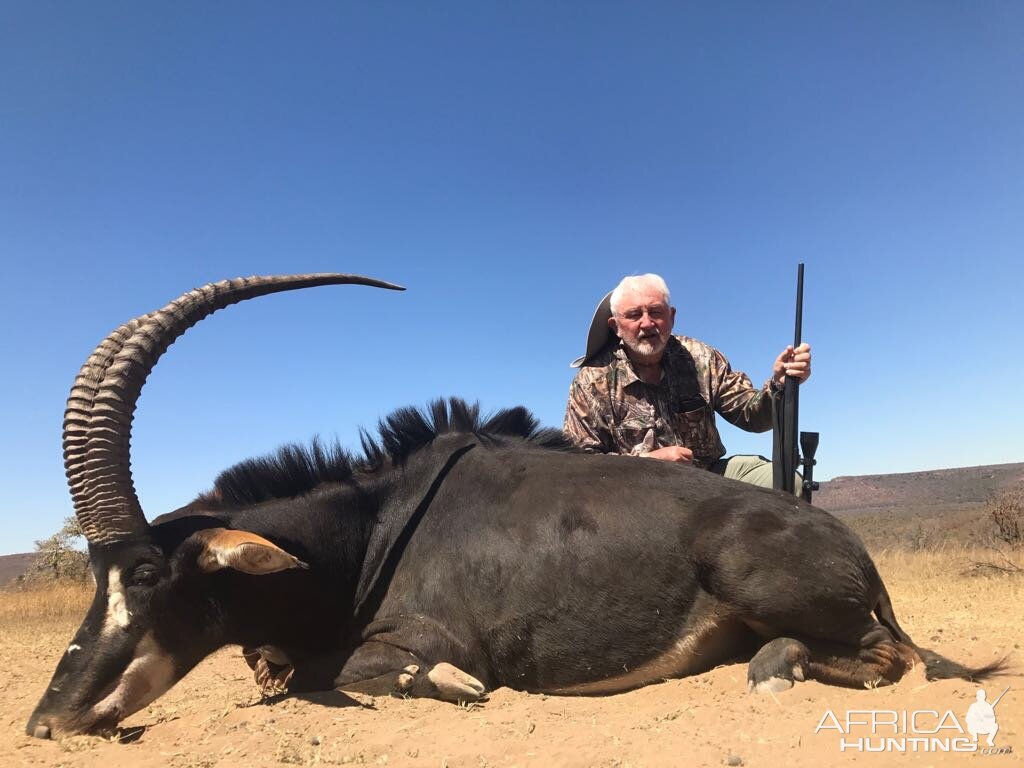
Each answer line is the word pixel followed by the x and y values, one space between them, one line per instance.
pixel 785 412
pixel 1000 697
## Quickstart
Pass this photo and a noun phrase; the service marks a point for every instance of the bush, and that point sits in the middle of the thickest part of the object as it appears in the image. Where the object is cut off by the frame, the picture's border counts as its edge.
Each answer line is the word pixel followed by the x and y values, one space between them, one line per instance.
pixel 58 559
pixel 1007 514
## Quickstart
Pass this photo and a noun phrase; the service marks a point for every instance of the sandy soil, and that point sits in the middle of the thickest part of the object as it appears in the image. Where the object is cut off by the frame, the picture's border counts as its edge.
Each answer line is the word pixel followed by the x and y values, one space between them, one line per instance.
pixel 215 716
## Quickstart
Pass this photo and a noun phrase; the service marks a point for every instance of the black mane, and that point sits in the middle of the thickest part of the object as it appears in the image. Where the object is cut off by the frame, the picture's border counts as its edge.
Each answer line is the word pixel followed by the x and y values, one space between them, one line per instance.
pixel 296 469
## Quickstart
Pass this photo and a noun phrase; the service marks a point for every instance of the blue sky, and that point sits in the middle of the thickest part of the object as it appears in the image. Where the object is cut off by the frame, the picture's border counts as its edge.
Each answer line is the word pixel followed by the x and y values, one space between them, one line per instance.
pixel 508 163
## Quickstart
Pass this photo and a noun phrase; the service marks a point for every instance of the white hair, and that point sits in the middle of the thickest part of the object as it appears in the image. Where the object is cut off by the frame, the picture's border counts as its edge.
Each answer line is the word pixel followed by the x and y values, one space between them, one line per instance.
pixel 638 283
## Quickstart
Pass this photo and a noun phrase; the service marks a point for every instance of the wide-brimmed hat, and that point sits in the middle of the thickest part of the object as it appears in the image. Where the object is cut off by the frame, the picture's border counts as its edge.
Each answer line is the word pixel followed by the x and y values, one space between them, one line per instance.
pixel 600 335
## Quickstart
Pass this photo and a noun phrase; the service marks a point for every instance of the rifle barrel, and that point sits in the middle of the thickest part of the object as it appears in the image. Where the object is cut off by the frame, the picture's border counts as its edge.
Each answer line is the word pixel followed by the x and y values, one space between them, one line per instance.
pixel 799 304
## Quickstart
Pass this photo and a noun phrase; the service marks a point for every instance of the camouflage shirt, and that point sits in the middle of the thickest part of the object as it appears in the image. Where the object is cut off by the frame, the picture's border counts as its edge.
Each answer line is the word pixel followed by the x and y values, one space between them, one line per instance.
pixel 612 410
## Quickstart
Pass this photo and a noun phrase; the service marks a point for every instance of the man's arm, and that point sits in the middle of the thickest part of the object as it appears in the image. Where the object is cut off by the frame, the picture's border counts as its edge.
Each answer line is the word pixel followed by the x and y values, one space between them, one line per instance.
pixel 748 408
pixel 736 399
pixel 583 425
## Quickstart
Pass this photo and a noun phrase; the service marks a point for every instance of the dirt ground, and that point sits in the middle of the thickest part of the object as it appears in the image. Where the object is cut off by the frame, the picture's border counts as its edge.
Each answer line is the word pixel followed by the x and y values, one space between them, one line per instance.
pixel 215 717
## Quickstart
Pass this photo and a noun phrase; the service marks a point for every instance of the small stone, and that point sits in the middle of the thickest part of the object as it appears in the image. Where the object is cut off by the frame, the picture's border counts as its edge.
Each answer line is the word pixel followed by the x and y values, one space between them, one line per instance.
pixel 734 760
pixel 315 741
pixel 531 727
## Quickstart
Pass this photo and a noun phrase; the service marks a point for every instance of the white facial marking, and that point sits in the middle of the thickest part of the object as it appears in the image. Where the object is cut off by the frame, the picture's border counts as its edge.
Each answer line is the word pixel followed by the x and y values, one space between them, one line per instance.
pixel 118 616
pixel 72 648
pixel 149 674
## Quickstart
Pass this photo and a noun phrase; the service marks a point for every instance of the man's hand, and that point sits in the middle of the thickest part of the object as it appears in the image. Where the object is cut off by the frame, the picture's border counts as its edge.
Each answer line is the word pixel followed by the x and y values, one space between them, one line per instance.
pixel 792 362
pixel 672 453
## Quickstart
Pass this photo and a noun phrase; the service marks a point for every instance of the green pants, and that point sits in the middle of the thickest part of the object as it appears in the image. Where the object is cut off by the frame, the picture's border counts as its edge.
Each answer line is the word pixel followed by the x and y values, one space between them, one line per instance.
pixel 756 470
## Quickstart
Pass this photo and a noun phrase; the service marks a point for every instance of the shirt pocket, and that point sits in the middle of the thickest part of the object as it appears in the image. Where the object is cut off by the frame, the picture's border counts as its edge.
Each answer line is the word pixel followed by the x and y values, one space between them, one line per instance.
pixel 630 433
pixel 696 429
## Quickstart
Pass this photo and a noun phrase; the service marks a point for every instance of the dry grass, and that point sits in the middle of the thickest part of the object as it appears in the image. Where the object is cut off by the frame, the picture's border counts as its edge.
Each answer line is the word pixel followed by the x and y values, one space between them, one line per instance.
pixel 946 580
pixel 49 603
pixel 947 561
pixel 946 604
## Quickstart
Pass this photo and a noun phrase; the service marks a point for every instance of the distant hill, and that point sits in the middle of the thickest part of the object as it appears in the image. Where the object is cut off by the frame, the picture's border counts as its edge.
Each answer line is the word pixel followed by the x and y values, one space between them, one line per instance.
pixel 13 566
pixel 917 510
pixel 913 490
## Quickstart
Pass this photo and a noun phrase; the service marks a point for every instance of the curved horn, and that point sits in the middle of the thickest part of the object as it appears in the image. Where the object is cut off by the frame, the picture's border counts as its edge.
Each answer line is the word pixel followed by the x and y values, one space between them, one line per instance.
pixel 98 418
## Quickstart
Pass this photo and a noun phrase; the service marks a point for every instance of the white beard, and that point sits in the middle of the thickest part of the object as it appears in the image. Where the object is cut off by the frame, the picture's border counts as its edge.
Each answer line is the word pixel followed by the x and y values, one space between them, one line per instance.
pixel 646 347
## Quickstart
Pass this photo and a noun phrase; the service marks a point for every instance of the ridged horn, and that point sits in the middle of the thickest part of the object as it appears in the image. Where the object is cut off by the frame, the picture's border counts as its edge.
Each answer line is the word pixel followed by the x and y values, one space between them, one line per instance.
pixel 98 418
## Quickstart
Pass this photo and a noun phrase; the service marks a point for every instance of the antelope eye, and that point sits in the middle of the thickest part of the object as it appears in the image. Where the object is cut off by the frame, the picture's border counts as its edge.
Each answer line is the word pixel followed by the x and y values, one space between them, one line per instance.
pixel 145 576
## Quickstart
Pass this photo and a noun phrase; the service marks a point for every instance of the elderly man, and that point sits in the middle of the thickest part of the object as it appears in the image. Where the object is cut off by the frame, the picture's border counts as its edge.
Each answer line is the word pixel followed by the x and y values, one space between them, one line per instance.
pixel 643 392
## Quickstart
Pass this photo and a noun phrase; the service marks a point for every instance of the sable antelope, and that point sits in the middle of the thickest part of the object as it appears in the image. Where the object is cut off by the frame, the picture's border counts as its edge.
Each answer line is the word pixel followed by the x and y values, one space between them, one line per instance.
pixel 455 555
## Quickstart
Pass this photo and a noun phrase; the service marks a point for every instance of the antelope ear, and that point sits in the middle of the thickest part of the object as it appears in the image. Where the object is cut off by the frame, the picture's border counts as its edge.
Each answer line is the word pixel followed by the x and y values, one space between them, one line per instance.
pixel 243 551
